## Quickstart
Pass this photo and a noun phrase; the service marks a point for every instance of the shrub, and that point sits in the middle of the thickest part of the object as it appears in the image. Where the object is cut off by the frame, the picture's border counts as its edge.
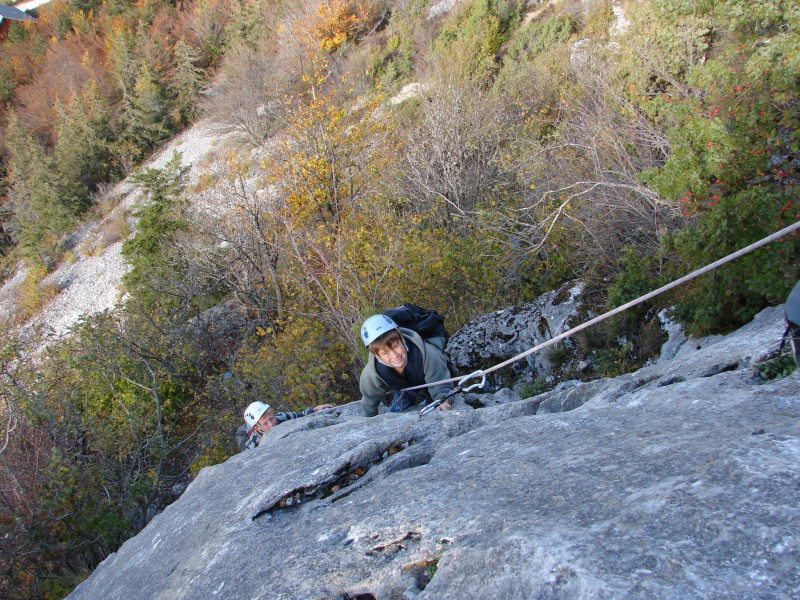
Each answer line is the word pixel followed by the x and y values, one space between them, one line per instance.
pixel 113 229
pixel 774 368
pixel 732 294
pixel 539 36
pixel 729 103
pixel 301 364
pixel 33 294
pixel 613 360
pixel 394 63
pixel 475 35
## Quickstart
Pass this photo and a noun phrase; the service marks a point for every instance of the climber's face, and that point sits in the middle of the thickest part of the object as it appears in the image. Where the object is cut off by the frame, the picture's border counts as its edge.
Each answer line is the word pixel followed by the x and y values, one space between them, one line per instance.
pixel 266 422
pixel 393 354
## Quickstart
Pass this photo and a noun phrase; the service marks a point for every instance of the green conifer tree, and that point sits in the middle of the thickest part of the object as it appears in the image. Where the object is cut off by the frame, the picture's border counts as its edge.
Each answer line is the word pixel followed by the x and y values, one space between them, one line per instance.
pixel 82 153
pixel 185 82
pixel 38 214
pixel 159 220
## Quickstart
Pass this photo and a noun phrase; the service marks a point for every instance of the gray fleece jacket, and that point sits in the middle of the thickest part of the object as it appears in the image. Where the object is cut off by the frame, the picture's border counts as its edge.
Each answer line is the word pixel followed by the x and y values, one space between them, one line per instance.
pixel 434 361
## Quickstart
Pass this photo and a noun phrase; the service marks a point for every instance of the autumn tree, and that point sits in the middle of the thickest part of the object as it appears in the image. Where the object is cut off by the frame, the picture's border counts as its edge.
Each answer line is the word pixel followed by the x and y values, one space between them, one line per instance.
pixel 580 180
pixel 325 172
pixel 243 243
pixel 251 98
pixel 64 70
pixel 450 156
pixel 204 25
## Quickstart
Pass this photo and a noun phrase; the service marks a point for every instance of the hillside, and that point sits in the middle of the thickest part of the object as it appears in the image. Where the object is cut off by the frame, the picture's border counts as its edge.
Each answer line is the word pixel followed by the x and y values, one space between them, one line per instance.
pixel 91 282
pixel 676 481
pixel 335 159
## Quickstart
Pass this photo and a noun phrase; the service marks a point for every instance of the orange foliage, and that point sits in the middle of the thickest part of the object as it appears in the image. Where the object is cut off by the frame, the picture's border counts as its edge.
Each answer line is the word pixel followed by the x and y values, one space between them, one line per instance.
pixel 65 70
pixel 333 23
pixel 337 22
pixel 157 52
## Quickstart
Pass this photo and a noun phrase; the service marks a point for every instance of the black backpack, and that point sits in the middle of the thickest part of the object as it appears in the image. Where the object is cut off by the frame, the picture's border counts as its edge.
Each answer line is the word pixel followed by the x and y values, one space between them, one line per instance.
pixel 427 323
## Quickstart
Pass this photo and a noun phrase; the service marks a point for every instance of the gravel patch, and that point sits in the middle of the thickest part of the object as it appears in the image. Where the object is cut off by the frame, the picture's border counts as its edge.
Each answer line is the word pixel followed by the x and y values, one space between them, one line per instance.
pixel 9 292
pixel 92 282
pixel 196 145
pixel 88 286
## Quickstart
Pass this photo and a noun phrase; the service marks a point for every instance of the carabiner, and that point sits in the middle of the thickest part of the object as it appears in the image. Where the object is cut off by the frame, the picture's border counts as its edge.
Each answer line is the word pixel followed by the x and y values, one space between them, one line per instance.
pixel 455 390
pixel 474 385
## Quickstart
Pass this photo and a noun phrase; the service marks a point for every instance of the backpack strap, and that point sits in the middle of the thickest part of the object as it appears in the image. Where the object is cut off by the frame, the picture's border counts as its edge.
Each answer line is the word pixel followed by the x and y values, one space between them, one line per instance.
pixel 783 337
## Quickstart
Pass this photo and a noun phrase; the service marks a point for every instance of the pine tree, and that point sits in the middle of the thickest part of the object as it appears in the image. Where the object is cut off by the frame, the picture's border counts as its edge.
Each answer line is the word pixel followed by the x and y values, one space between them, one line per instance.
pixel 159 220
pixel 143 115
pixel 38 214
pixel 82 153
pixel 185 82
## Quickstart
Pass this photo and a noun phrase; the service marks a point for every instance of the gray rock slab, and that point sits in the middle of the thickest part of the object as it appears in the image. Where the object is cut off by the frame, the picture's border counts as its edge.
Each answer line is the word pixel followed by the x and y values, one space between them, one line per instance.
pixel 678 481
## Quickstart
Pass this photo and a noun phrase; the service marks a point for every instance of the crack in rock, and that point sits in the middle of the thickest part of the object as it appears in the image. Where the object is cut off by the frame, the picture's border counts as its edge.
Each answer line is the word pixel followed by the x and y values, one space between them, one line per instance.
pixel 720 368
pixel 671 381
pixel 396 545
pixel 337 486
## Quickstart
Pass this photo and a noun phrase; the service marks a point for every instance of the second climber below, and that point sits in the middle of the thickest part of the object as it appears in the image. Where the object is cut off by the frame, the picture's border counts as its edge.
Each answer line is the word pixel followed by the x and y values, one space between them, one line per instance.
pixel 400 358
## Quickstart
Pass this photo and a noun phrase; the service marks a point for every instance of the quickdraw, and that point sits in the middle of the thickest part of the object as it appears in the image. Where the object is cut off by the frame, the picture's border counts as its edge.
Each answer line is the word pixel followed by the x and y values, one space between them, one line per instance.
pixel 455 390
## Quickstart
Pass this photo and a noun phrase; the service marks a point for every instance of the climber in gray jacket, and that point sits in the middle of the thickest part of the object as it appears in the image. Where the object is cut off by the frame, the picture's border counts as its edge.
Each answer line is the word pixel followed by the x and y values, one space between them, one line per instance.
pixel 400 358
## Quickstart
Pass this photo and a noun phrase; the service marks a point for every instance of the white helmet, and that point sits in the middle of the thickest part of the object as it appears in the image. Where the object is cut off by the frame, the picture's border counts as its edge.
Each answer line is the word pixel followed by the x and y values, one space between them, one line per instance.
pixel 375 327
pixel 254 412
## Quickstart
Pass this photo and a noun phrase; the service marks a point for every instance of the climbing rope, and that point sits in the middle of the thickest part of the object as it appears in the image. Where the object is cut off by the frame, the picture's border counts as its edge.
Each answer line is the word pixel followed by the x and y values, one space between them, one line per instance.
pixel 482 373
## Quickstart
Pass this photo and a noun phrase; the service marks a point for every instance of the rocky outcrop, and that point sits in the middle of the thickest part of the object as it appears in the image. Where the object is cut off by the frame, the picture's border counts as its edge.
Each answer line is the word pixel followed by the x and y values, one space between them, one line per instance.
pixel 677 481
pixel 584 53
pixel 496 337
pixel 442 8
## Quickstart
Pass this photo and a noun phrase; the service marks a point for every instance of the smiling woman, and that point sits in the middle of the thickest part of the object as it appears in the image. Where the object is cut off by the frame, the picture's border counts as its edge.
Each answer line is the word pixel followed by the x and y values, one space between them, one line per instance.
pixel 394 352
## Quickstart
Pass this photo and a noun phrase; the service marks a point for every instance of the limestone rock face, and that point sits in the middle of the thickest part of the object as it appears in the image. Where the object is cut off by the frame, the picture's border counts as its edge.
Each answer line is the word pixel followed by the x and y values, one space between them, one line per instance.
pixel 678 481
pixel 442 8
pixel 493 338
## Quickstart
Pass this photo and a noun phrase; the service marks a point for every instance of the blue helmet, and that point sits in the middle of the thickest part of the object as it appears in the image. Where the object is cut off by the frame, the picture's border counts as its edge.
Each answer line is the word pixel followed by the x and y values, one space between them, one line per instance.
pixel 375 327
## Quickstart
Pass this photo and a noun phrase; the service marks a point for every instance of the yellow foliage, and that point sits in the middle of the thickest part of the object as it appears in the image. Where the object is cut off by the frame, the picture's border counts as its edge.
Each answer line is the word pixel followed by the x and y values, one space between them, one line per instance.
pixel 300 366
pixel 84 22
pixel 33 294
pixel 325 164
pixel 337 21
